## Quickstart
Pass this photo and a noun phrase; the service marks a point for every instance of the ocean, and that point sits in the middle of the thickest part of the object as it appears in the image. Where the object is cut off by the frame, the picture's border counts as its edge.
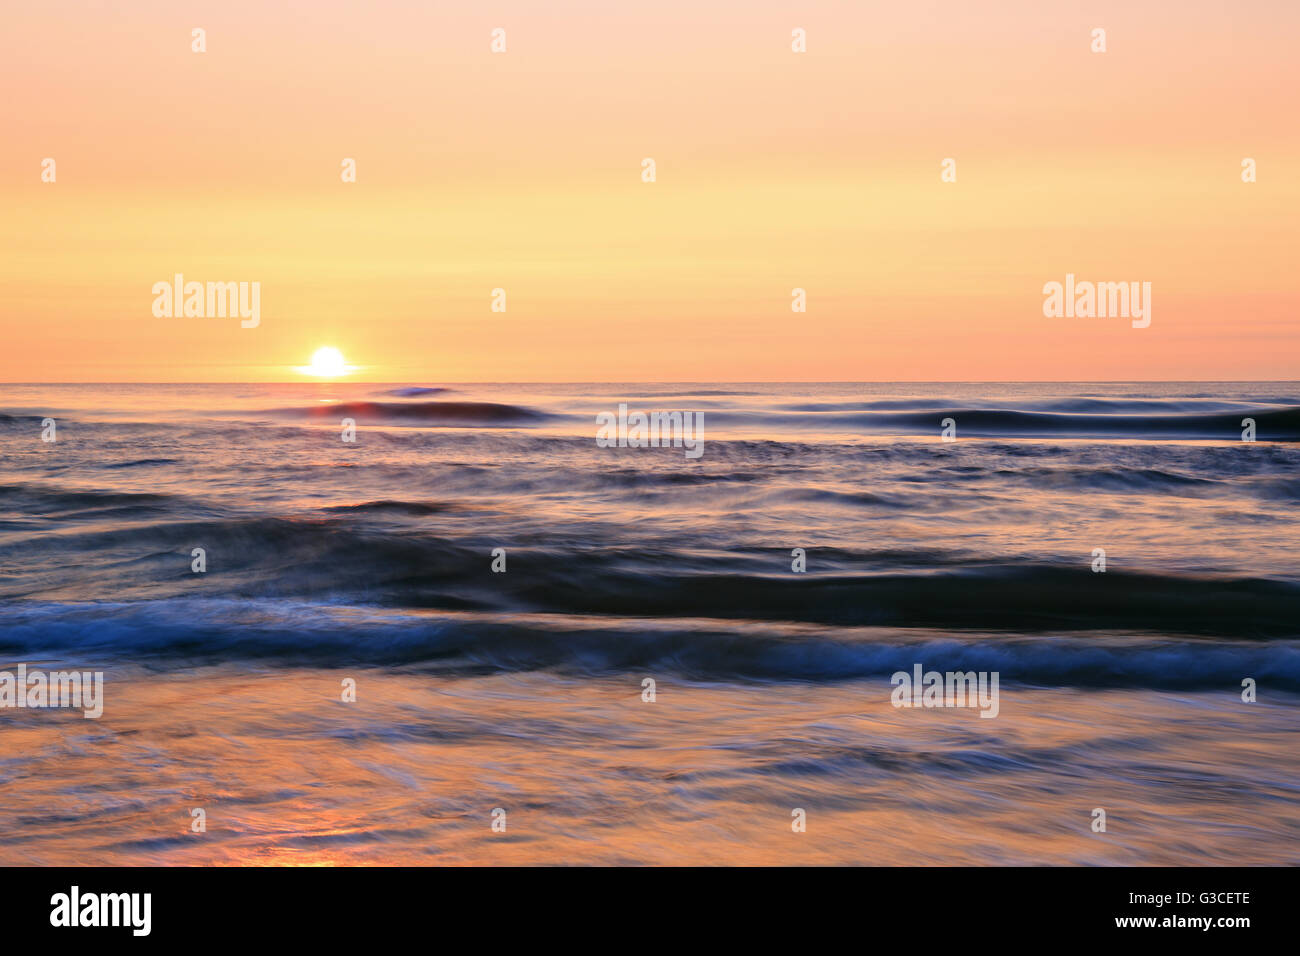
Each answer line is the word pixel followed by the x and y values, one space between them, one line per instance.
pixel 568 653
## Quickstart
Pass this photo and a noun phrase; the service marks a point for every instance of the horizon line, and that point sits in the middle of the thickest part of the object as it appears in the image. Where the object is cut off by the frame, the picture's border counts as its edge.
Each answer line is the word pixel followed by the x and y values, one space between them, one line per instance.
pixel 1078 381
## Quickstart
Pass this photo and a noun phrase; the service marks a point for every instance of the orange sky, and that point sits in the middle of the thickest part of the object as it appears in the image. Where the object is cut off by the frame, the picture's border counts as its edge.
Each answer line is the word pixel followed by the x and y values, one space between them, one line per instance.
pixel 775 170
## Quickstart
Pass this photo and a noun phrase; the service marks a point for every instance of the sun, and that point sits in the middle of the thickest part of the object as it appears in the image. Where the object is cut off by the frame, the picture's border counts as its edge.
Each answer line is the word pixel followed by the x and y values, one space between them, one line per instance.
pixel 326 362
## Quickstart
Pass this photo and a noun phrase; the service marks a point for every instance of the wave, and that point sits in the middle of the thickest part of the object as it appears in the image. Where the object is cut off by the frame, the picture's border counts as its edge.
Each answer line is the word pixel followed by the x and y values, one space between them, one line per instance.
pixel 354 554
pixel 459 414
pixel 1071 406
pixel 47 499
pixel 688 393
pixel 183 633
pixel 390 506
pixel 1271 423
pixel 414 391
pixel 1111 479
pixel 139 462
pixel 1276 424
pixel 1058 417
pixel 1025 599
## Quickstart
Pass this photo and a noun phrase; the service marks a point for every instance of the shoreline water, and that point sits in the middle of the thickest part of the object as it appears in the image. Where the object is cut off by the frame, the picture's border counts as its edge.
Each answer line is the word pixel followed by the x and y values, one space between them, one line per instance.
pixel 589 773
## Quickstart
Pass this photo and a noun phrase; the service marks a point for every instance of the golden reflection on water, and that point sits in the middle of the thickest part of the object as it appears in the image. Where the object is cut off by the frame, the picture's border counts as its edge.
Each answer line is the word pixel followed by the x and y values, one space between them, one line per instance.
pixel 587 772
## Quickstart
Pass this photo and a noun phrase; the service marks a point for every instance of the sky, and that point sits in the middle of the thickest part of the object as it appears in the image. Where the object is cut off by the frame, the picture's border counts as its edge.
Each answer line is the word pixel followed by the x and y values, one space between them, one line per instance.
pixel 774 171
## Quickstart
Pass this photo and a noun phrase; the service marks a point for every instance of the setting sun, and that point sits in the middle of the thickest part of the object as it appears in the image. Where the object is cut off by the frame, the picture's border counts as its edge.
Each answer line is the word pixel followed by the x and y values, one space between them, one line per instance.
pixel 326 362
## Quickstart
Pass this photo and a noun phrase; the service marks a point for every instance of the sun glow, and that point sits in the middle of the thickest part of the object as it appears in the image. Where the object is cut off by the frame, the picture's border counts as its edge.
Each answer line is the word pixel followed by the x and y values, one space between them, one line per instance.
pixel 326 362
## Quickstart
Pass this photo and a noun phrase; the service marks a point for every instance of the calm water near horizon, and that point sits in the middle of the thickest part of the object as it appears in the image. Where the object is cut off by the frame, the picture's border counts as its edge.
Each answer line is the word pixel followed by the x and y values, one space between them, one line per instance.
pixel 373 560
